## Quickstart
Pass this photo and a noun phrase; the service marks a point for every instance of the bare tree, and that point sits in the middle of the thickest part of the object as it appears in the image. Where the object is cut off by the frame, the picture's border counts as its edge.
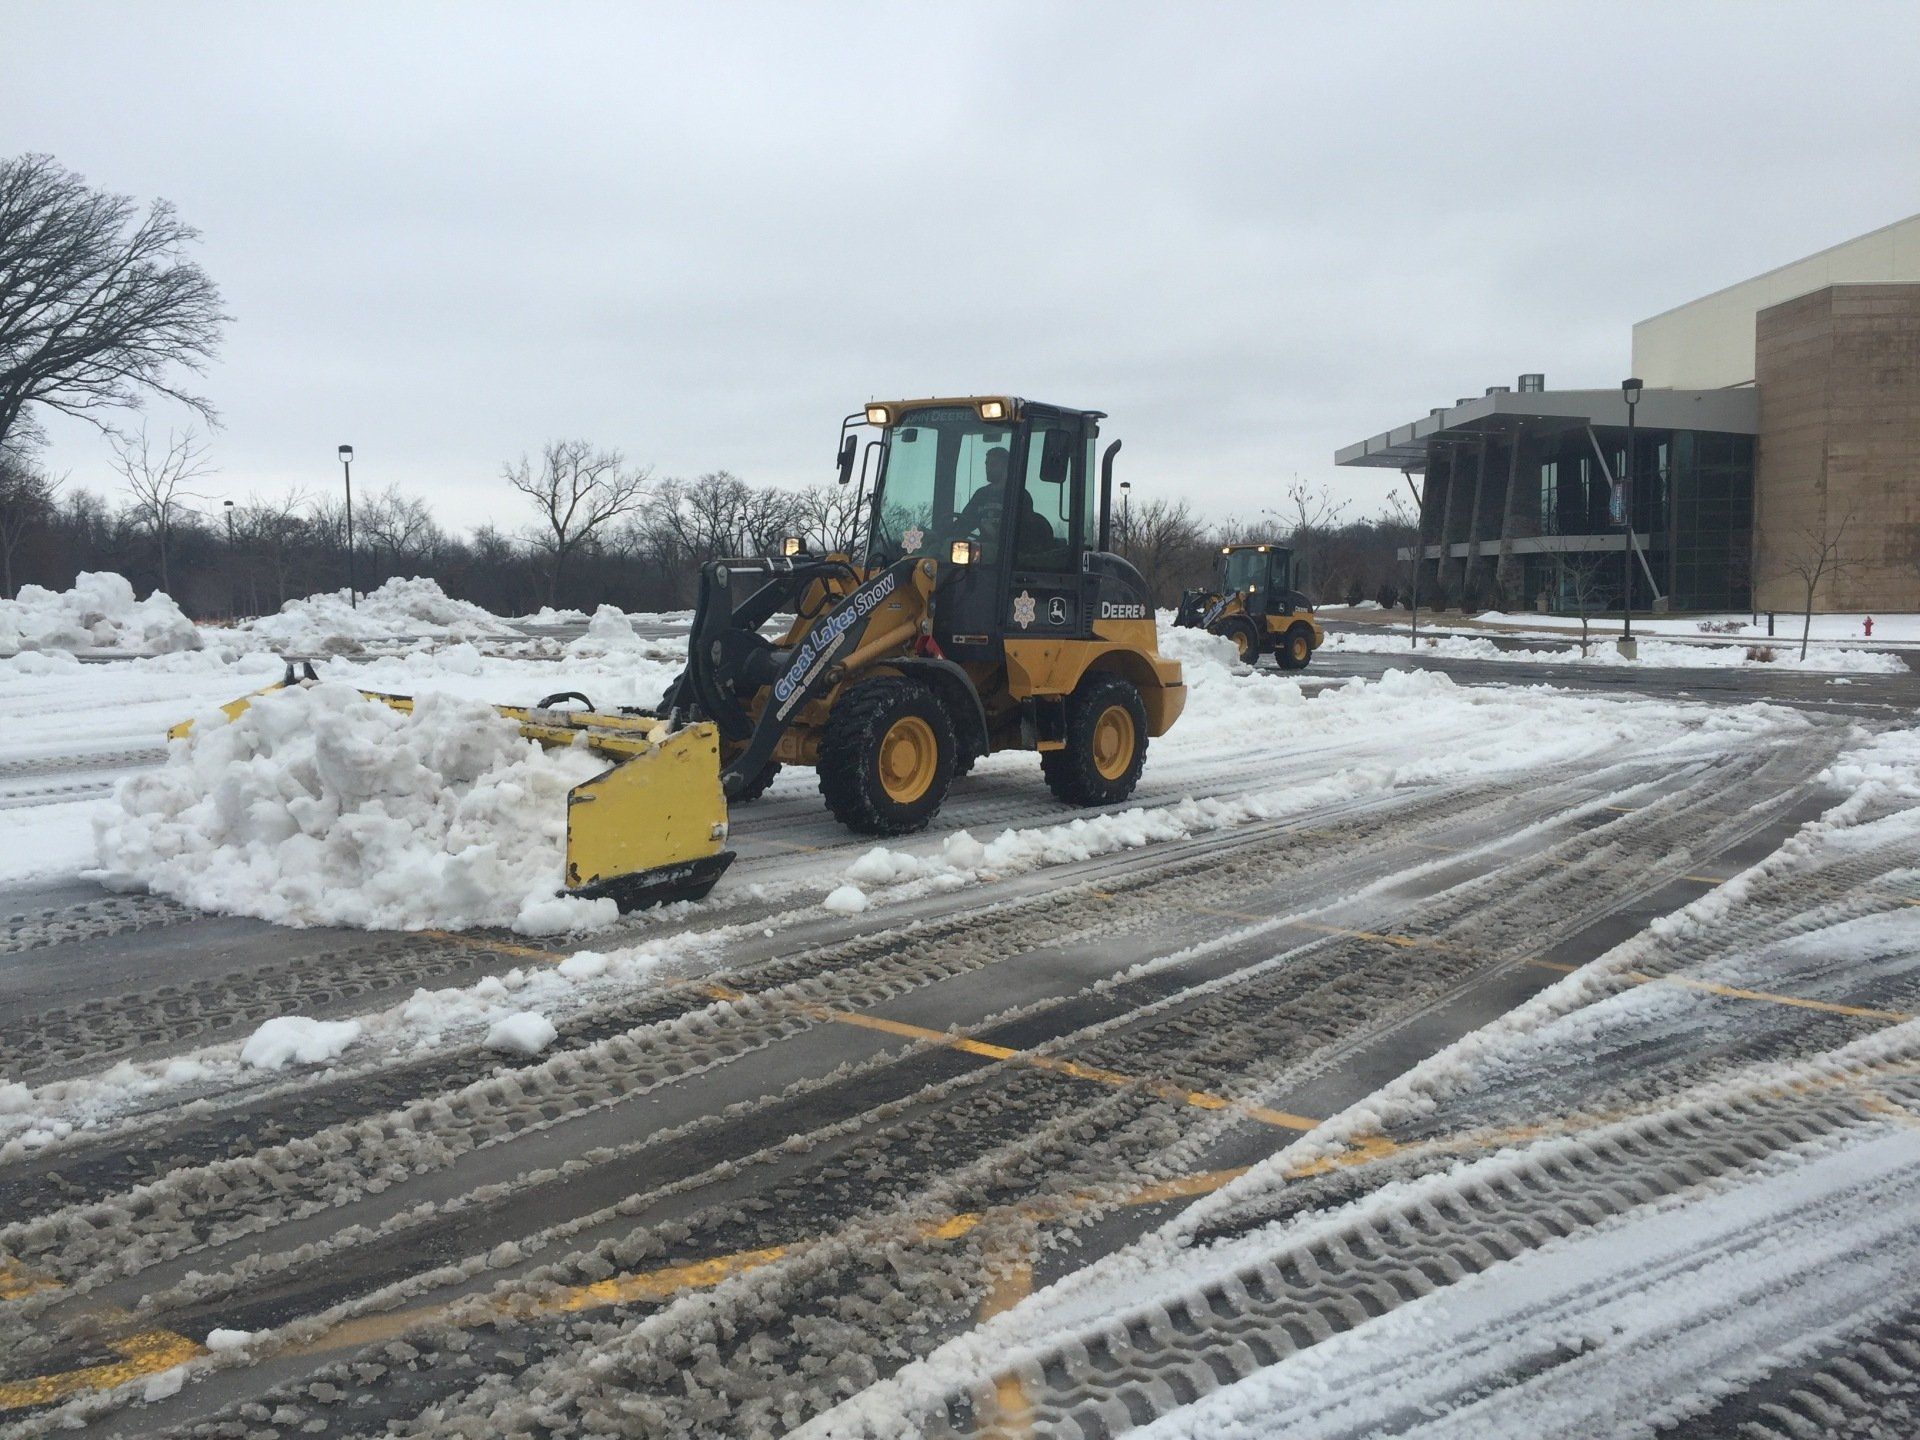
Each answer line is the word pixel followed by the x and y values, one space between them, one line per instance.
pixel 830 519
pixel 158 478
pixel 720 514
pixel 402 526
pixel 577 489
pixel 1809 555
pixel 1166 545
pixel 275 534
pixel 26 504
pixel 98 306
pixel 1581 576
pixel 1310 513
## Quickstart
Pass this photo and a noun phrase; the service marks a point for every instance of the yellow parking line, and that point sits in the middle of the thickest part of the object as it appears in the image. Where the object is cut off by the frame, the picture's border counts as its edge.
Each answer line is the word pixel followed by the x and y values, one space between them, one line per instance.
pixel 146 1353
pixel 1073 1069
pixel 1010 1268
pixel 481 942
pixel 17 1281
pixel 1735 992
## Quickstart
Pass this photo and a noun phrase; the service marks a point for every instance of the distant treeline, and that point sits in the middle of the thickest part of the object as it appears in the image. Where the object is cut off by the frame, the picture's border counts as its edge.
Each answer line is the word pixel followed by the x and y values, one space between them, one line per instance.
pixel 250 557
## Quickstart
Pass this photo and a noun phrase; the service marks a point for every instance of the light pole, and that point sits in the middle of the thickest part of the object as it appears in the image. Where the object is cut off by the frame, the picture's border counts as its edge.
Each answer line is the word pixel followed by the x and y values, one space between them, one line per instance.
pixel 346 463
pixel 1630 392
pixel 1126 515
pixel 233 590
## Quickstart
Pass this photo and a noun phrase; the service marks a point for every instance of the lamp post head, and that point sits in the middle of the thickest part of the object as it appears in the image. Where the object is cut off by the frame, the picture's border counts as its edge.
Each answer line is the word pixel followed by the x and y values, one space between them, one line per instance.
pixel 346 454
pixel 227 503
pixel 1630 389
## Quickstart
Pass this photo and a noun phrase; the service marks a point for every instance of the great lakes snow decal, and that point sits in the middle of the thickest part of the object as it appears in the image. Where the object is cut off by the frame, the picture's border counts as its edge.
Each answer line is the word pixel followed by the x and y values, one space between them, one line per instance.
pixel 823 641
pixel 1023 609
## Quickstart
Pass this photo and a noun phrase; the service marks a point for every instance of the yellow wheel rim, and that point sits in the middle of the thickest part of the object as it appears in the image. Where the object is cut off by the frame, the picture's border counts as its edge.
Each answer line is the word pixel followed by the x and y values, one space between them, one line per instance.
pixel 908 757
pixel 1300 650
pixel 1242 644
pixel 1113 742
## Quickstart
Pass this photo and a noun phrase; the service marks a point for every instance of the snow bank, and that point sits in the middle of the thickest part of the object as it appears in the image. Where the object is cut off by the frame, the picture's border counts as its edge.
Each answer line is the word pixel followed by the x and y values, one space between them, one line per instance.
pixel 319 807
pixel 608 633
pixel 400 609
pixel 98 613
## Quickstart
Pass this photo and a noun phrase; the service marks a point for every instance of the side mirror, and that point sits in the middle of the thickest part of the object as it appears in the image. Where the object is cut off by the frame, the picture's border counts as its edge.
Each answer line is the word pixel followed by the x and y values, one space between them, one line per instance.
pixel 849 448
pixel 1056 454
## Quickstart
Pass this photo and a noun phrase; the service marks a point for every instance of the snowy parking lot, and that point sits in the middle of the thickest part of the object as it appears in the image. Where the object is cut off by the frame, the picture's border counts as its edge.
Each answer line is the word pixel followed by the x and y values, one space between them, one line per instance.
pixel 1431 1046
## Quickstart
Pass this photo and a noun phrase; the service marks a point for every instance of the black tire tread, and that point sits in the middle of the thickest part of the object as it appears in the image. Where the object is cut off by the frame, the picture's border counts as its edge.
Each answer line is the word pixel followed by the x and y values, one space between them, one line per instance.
pixel 848 763
pixel 1070 771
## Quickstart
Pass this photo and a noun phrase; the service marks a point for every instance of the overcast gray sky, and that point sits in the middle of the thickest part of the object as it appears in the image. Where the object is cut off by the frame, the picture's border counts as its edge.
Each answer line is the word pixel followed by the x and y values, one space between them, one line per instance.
pixel 1251 234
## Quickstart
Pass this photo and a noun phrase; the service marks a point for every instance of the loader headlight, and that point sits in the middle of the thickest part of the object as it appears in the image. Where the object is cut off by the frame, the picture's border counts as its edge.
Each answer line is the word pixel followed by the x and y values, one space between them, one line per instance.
pixel 877 415
pixel 962 552
pixel 993 409
pixel 790 545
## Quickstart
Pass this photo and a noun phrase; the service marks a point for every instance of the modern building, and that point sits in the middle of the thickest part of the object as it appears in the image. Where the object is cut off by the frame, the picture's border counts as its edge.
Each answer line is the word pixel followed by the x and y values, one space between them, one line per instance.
pixel 1780 422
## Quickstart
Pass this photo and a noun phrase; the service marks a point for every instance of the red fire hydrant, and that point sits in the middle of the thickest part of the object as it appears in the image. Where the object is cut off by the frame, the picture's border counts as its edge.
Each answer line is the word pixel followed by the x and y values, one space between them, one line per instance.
pixel 1868 623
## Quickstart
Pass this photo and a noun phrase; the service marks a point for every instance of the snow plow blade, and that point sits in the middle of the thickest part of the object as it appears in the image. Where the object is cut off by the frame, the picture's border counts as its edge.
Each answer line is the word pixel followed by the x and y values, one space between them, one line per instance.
pixel 654 827
pixel 649 830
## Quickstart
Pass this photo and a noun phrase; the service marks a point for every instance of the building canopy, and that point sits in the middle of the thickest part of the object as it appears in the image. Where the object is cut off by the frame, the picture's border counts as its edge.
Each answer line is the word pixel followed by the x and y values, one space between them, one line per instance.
pixel 1729 412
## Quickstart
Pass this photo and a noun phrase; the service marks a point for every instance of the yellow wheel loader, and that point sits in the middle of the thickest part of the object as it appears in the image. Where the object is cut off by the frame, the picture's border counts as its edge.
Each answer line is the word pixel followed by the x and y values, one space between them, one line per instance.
pixel 984 613
pixel 1256 607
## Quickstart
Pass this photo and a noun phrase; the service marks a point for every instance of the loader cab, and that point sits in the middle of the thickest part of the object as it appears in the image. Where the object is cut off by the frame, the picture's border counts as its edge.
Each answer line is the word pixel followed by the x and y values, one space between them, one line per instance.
pixel 1003 494
pixel 1264 576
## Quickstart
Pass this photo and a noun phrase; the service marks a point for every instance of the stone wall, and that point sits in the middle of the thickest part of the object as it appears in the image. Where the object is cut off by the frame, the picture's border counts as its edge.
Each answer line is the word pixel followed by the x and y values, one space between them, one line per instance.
pixel 1839 379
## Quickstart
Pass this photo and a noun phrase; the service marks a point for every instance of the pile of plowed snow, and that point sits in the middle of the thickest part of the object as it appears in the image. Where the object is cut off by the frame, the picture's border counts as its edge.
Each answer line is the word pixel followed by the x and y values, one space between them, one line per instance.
pixel 317 806
pixel 401 609
pixel 98 613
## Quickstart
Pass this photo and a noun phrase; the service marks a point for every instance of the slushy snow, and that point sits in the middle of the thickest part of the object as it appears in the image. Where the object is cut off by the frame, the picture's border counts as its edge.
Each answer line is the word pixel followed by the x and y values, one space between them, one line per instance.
pixel 317 806
pixel 98 613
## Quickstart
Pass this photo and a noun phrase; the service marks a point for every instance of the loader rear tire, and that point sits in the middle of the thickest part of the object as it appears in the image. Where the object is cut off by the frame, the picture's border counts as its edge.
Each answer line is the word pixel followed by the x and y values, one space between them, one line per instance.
pixel 887 756
pixel 1295 648
pixel 1106 744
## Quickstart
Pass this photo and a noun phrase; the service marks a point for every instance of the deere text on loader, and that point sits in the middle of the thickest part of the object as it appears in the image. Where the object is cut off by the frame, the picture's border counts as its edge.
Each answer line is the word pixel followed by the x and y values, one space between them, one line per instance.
pixel 1256 607
pixel 984 614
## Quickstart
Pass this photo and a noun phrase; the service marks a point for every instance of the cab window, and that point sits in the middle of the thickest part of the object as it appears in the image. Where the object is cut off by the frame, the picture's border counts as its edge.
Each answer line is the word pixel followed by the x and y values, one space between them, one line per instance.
pixel 935 487
pixel 1044 530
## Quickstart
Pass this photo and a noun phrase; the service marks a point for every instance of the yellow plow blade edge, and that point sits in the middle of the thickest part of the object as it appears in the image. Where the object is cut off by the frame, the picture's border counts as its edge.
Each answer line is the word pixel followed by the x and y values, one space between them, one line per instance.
pixel 651 829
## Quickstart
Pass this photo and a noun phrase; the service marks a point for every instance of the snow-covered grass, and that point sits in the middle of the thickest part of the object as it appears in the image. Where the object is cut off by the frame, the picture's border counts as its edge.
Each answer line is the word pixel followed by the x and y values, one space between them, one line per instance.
pixel 1890 629
pixel 1602 650
pixel 98 613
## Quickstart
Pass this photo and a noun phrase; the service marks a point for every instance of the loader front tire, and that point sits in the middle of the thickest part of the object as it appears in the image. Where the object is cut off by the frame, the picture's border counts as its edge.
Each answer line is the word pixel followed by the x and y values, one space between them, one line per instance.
pixel 1295 648
pixel 1246 638
pixel 1106 744
pixel 887 756
pixel 757 786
